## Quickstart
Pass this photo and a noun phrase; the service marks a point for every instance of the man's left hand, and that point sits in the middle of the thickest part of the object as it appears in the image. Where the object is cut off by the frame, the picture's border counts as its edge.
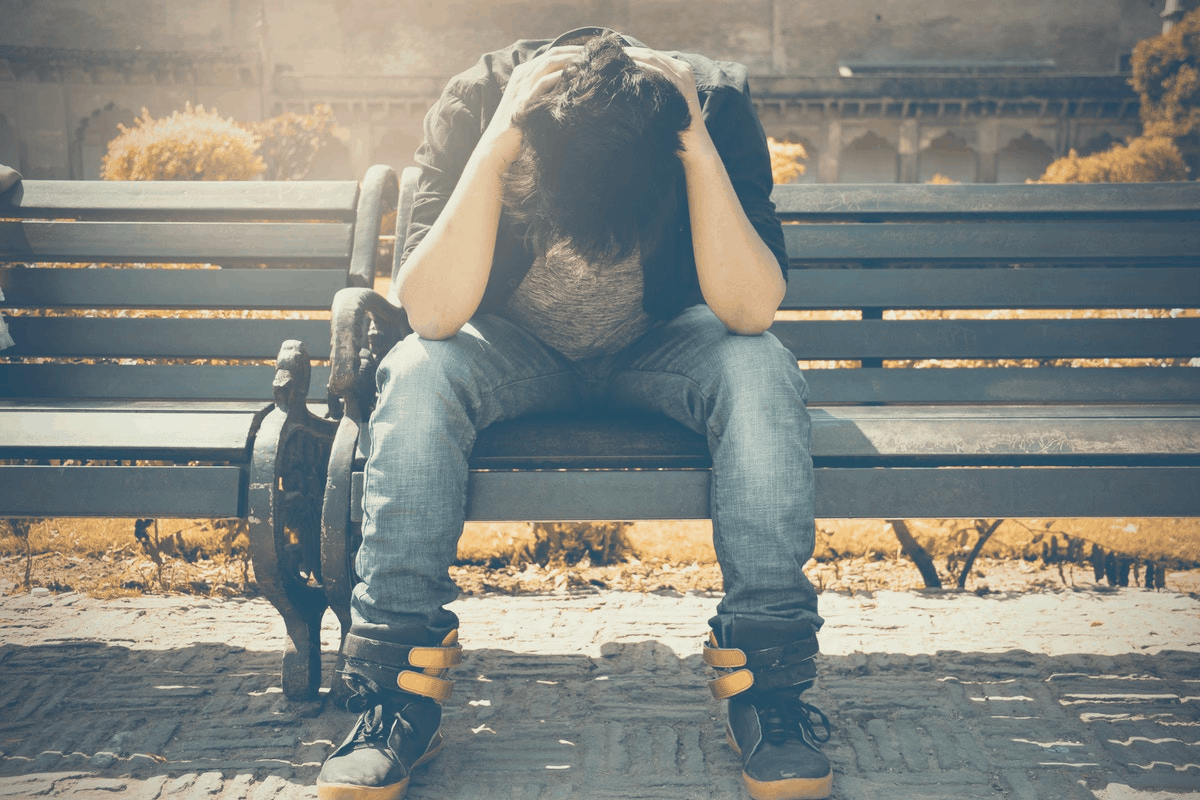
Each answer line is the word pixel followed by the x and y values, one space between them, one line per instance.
pixel 679 73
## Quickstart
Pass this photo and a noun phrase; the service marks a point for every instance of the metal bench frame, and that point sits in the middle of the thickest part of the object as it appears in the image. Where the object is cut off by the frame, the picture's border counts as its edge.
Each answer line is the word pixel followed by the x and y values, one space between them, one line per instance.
pixel 140 414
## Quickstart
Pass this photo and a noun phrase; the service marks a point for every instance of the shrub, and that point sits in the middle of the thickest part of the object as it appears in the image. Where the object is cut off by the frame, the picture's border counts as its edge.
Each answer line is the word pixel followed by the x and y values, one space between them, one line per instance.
pixel 291 141
pixel 1145 159
pixel 785 160
pixel 1166 76
pixel 189 145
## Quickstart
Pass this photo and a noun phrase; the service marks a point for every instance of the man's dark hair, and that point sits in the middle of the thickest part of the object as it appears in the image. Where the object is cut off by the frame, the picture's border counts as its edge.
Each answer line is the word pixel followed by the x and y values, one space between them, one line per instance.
pixel 599 163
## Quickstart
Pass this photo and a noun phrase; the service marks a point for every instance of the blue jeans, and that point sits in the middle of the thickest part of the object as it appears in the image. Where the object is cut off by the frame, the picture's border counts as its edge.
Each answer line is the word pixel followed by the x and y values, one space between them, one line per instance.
pixel 744 393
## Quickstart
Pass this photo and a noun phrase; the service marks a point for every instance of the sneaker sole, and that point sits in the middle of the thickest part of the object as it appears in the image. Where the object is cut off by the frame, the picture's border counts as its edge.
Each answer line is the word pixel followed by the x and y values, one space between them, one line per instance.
pixel 396 791
pixel 789 789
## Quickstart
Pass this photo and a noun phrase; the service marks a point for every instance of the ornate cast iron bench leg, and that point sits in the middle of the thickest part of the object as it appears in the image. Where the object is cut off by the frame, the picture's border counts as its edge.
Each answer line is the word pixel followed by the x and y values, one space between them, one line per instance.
pixel 340 537
pixel 287 484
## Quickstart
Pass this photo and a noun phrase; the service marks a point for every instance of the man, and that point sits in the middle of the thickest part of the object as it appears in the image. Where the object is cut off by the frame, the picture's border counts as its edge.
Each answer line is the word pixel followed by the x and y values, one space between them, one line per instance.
pixel 592 229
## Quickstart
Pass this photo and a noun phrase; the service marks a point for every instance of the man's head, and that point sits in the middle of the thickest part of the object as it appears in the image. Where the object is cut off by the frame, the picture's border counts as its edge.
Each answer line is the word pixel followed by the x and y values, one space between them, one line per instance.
pixel 599 164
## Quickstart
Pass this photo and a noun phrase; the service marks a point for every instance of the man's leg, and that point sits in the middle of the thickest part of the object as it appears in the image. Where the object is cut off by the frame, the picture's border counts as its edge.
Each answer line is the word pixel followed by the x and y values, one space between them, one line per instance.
pixel 433 398
pixel 746 395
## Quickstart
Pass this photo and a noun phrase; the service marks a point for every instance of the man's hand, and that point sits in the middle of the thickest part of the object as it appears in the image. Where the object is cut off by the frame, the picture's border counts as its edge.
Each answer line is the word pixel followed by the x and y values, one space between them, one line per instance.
pixel 679 73
pixel 530 80
pixel 739 276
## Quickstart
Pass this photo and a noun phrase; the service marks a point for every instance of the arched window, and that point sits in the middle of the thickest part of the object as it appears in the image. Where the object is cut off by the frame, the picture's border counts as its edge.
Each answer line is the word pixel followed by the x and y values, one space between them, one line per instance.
pixel 949 157
pixel 92 138
pixel 1099 143
pixel 1023 158
pixel 868 159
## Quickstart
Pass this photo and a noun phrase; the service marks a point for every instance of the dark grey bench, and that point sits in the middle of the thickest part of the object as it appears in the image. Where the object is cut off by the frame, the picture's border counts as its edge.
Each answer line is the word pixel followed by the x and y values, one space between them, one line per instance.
pixel 142 412
pixel 933 417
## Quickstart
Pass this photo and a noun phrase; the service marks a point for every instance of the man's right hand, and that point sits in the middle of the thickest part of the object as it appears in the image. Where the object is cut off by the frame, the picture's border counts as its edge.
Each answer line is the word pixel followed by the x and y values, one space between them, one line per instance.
pixel 530 80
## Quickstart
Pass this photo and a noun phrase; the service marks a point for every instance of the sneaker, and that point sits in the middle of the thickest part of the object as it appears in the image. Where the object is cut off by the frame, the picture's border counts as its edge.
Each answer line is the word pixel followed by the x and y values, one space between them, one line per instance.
pixel 779 745
pixel 387 743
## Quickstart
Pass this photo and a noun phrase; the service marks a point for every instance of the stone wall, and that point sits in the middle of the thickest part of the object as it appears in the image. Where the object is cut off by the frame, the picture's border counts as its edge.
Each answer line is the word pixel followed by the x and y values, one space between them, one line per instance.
pixel 965 86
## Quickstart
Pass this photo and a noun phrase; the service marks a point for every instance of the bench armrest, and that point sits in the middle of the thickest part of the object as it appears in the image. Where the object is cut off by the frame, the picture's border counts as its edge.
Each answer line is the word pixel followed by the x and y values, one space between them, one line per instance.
pixel 365 326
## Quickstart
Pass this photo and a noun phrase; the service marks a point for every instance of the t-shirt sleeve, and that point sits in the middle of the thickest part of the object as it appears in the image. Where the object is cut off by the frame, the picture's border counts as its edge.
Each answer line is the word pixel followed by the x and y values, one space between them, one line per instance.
pixel 452 129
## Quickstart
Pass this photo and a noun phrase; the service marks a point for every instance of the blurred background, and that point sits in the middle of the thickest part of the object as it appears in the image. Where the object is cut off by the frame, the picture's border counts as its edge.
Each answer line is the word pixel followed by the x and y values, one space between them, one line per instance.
pixel 874 90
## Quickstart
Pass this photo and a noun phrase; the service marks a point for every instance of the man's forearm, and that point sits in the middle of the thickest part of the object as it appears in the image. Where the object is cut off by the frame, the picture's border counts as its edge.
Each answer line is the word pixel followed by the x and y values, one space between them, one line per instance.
pixel 739 276
pixel 443 280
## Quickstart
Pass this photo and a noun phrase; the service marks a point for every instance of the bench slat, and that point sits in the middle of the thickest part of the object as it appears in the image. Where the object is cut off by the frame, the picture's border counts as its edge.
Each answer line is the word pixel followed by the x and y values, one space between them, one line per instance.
pixel 993 241
pixel 130 433
pixel 1048 287
pixel 175 242
pixel 170 288
pixel 873 436
pixel 845 493
pixel 1000 385
pixel 907 200
pixel 827 386
pixel 164 199
pixel 148 381
pixel 164 492
pixel 987 339
pixel 97 337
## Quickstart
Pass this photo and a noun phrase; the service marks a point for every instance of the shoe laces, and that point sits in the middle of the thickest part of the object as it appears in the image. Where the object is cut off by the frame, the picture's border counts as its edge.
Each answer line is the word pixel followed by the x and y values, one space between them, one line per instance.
pixel 374 722
pixel 784 717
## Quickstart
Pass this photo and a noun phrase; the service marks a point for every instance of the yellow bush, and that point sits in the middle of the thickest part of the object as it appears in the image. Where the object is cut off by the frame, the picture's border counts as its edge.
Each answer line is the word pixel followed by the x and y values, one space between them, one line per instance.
pixel 1145 159
pixel 1166 76
pixel 291 141
pixel 785 160
pixel 189 145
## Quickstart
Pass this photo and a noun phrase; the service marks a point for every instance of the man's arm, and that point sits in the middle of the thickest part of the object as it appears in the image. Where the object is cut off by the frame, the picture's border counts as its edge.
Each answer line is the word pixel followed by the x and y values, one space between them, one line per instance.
pixel 739 276
pixel 442 281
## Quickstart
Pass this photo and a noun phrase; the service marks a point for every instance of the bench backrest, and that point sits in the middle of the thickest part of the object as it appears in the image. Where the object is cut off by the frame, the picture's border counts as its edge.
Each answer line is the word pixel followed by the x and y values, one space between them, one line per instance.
pixel 1031 263
pixel 244 266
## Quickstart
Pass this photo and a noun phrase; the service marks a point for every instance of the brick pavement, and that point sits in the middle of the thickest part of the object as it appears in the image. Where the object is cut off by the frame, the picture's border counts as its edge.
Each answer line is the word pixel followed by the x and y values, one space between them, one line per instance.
pixel 1050 695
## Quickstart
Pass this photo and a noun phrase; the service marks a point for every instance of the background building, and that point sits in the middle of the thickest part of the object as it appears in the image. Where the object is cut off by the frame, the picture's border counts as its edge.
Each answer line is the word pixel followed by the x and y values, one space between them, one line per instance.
pixel 877 90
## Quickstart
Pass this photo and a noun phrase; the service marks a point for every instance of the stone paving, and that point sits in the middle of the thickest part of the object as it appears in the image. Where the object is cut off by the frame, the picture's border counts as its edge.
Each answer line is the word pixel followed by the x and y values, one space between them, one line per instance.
pixel 1083 694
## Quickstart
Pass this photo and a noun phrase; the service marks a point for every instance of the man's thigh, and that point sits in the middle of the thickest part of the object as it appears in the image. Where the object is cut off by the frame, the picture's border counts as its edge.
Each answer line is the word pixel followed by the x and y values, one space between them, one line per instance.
pixel 493 368
pixel 681 367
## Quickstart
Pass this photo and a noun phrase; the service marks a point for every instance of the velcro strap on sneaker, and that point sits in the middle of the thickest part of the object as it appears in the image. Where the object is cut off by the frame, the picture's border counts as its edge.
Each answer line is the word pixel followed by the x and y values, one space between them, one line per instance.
pixel 769 680
pixel 723 658
pixel 438 689
pixel 727 686
pixel 439 658
pixel 772 668
pixel 783 656
pixel 384 664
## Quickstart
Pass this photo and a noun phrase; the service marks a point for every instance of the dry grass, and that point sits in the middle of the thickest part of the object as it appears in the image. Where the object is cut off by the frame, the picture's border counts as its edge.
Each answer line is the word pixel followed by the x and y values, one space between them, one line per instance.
pixel 104 557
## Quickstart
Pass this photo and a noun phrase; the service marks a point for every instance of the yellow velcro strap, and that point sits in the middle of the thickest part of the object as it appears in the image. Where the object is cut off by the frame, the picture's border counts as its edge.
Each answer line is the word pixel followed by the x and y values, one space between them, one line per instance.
pixel 435 657
pixel 727 686
pixel 437 689
pixel 724 658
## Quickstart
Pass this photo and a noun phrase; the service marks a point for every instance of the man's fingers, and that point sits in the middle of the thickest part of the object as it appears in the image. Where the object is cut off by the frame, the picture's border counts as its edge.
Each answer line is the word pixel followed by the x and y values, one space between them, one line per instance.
pixel 545 84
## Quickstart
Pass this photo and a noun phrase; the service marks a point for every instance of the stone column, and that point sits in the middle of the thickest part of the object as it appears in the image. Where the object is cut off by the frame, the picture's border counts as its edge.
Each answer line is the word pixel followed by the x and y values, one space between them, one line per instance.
pixel 986 150
pixel 908 149
pixel 1174 11
pixel 829 161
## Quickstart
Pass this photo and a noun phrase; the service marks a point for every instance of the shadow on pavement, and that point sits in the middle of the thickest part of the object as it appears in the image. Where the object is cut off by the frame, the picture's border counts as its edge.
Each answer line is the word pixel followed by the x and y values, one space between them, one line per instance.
pixel 638 721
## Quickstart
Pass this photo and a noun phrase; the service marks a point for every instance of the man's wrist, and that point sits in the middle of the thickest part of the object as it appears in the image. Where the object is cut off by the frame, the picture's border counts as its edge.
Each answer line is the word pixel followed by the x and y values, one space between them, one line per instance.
pixel 698 149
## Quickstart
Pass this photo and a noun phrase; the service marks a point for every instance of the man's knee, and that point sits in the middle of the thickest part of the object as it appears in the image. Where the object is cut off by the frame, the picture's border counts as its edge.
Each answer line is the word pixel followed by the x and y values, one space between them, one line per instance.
pixel 424 366
pixel 757 364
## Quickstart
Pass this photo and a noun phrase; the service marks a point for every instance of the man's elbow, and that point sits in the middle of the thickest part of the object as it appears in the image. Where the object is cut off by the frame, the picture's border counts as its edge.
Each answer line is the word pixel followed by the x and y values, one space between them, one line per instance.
pixel 745 321
pixel 433 328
